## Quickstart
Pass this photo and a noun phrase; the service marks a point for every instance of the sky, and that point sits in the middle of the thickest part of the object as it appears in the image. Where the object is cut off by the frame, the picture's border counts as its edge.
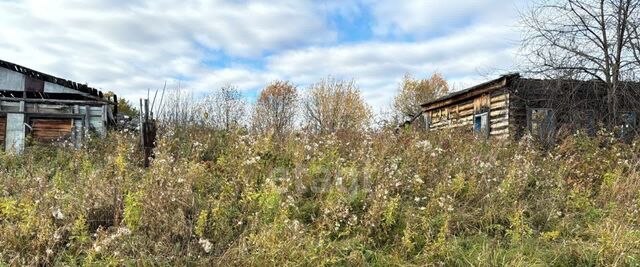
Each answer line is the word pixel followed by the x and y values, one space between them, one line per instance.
pixel 130 46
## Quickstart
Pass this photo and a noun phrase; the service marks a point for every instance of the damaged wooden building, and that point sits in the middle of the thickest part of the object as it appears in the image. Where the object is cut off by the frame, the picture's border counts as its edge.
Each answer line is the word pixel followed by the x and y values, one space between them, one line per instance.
pixel 37 107
pixel 512 106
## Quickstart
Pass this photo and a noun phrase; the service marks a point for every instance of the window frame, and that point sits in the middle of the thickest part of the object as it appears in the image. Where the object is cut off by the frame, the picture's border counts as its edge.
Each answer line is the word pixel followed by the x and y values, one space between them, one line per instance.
pixel 550 119
pixel 625 127
pixel 584 120
pixel 485 128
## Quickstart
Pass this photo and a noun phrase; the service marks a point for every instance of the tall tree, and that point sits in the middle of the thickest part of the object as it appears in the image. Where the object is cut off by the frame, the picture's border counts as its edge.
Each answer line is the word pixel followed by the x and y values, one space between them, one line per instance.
pixel 635 39
pixel 335 105
pixel 415 92
pixel 275 109
pixel 585 39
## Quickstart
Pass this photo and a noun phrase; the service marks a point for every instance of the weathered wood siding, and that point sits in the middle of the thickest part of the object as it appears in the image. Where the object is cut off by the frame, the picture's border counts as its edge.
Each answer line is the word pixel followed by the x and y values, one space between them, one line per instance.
pixel 576 106
pixel 3 129
pixel 461 114
pixel 499 114
pixel 49 108
pixel 571 106
pixel 47 130
pixel 517 116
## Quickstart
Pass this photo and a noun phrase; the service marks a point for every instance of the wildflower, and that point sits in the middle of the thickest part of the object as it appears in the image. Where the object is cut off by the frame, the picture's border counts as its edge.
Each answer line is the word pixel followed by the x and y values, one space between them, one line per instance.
pixel 123 231
pixel 206 245
pixel 58 214
pixel 252 161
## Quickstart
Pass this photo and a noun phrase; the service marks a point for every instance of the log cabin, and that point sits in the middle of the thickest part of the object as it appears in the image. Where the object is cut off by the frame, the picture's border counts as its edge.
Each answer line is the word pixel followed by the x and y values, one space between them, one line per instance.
pixel 511 106
pixel 38 107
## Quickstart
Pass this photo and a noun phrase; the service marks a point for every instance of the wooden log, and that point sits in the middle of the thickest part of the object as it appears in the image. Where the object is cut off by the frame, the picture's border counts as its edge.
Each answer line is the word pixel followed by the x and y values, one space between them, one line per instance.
pixel 499 105
pixel 502 97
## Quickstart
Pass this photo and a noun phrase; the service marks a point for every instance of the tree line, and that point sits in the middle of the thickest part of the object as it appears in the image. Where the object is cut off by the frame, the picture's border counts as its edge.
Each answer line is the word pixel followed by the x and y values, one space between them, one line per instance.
pixel 282 108
pixel 562 39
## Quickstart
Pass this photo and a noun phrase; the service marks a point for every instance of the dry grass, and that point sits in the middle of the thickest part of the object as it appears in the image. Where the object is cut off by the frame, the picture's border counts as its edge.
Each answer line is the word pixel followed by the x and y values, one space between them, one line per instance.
pixel 346 199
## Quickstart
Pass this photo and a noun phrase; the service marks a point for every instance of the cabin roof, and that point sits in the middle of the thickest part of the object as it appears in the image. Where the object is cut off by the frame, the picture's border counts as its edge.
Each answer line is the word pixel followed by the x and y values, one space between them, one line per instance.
pixel 469 92
pixel 82 88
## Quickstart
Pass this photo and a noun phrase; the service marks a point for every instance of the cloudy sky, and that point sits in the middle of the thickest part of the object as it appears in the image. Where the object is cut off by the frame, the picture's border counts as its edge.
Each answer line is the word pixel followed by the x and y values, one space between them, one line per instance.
pixel 128 46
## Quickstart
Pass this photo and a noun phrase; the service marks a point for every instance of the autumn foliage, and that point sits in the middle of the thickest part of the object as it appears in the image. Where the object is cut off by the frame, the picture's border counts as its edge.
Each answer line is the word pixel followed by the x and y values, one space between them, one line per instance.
pixel 276 109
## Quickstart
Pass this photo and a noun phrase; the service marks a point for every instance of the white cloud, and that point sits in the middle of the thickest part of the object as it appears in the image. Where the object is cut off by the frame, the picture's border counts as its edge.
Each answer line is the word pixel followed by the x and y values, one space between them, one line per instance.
pixel 423 18
pixel 130 46
pixel 465 56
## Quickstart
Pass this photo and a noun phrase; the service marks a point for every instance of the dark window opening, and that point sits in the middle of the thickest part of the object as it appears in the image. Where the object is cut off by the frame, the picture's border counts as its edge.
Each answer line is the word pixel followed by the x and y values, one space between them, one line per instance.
pixel 541 123
pixel 628 121
pixel 481 123
pixel 584 122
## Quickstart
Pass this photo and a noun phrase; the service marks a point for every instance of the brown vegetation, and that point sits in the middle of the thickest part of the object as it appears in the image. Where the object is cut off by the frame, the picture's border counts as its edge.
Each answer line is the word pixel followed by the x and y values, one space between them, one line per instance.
pixel 218 198
pixel 335 105
pixel 275 110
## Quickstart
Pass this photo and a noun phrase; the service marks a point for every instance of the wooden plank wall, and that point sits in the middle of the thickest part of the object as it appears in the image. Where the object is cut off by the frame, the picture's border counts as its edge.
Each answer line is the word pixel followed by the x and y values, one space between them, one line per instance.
pixel 517 116
pixel 460 115
pixel 46 130
pixel 3 130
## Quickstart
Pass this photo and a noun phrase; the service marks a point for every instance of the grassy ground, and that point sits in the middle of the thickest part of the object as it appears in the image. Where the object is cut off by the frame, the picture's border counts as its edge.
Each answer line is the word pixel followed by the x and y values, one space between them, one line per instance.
pixel 372 199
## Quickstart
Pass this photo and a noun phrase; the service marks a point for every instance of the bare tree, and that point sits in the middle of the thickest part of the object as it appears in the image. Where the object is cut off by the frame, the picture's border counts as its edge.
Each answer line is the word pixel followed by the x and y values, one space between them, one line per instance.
pixel 334 105
pixel 634 26
pixel 585 39
pixel 177 109
pixel 275 109
pixel 415 92
pixel 224 109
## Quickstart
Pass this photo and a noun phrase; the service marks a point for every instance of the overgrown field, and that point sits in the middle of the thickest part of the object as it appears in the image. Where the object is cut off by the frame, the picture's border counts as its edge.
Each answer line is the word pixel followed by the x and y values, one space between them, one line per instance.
pixel 373 199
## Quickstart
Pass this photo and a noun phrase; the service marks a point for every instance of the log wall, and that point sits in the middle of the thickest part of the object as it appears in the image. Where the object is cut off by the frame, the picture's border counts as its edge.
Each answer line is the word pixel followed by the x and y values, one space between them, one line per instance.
pixel 461 114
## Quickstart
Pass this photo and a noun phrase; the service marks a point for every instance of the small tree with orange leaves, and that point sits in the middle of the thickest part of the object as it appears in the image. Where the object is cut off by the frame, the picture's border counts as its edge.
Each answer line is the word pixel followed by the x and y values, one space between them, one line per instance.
pixel 275 109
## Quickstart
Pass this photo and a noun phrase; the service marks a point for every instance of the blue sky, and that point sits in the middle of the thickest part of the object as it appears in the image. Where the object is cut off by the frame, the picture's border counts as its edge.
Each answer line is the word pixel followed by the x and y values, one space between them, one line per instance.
pixel 130 46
